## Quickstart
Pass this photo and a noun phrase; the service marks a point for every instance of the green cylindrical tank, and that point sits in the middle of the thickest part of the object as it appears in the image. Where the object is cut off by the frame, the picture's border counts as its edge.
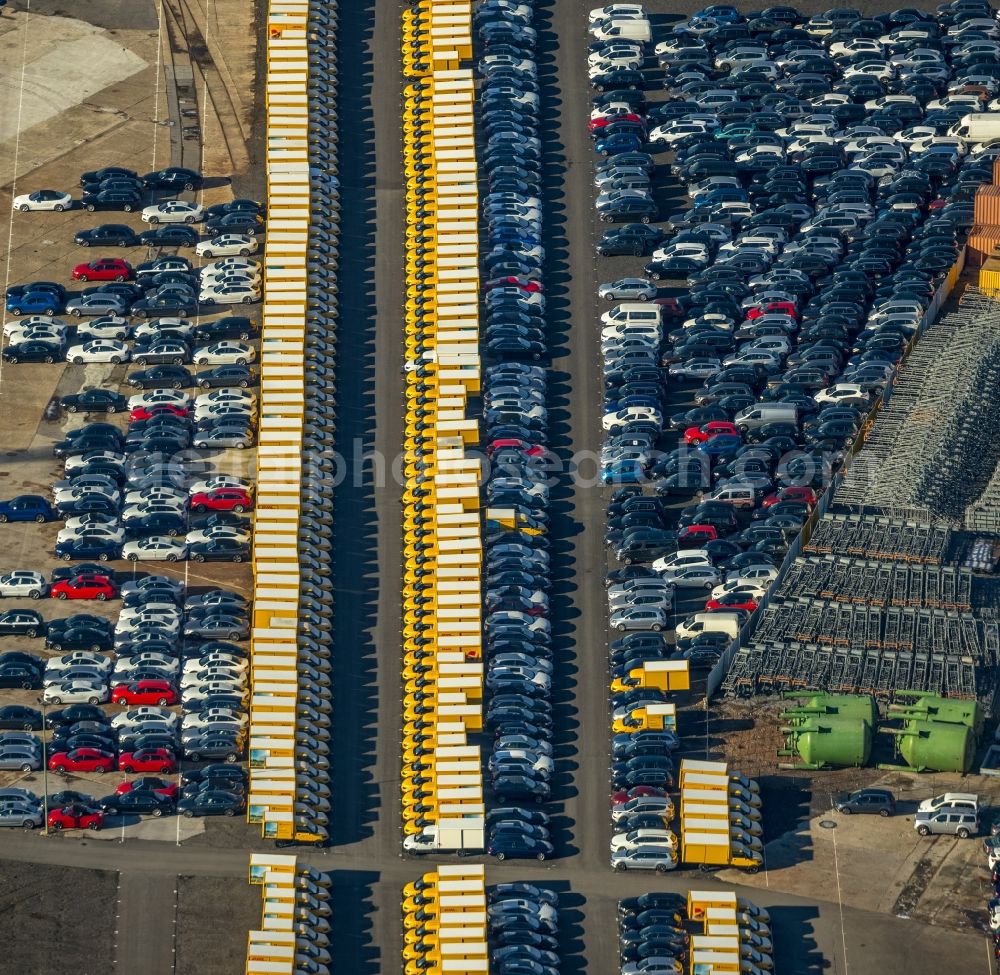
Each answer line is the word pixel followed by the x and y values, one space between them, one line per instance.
pixel 933 746
pixel 829 741
pixel 930 707
pixel 843 705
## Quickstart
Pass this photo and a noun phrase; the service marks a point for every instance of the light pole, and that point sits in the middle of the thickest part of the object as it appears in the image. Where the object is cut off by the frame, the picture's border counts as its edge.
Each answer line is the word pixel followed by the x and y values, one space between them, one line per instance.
pixel 45 768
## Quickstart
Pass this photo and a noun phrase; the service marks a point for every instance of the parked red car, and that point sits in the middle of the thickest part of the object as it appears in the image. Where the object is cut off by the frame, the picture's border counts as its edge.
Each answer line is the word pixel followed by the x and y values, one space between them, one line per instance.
pixel 596 124
pixel 638 790
pixel 82 760
pixel 159 692
pixel 773 308
pixel 222 499
pixel 147 760
pixel 157 409
pixel 104 269
pixel 513 282
pixel 528 449
pixel 84 587
pixel 732 601
pixel 805 494
pixel 695 536
pixel 696 435
pixel 75 817
pixel 149 784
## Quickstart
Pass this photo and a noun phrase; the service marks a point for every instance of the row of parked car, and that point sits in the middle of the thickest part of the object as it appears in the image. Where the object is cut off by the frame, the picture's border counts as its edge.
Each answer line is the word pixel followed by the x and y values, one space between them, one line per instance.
pixel 652 937
pixel 522 929
pixel 214 790
pixel 164 649
pixel 519 662
pixel 820 230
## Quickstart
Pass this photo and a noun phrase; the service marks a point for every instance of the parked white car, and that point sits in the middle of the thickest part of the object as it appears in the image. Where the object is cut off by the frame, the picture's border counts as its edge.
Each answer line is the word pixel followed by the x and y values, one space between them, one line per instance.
pixel 173 211
pixel 76 692
pixel 226 352
pixel 147 712
pixel 228 294
pixel 98 350
pixel 157 548
pixel 43 200
pixel 225 245
pixel 220 481
pixel 23 582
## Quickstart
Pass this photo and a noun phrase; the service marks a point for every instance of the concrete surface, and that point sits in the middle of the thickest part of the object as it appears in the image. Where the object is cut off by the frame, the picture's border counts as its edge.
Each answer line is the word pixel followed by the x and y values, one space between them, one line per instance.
pixel 145 924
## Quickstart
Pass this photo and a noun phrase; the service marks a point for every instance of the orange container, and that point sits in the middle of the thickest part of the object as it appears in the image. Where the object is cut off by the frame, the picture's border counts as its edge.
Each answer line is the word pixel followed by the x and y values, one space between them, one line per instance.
pixel 982 244
pixel 987 205
pixel 996 171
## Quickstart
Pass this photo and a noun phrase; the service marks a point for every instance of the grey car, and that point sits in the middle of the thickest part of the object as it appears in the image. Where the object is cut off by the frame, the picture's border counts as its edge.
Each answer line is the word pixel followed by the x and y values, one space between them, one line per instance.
pixel 658 858
pixel 237 437
pixel 628 289
pixel 220 627
pixel 21 759
pixel 20 814
pixel 96 304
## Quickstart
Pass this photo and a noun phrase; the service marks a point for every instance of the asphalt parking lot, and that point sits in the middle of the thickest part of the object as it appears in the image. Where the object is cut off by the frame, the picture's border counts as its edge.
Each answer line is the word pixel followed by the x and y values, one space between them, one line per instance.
pixel 816 930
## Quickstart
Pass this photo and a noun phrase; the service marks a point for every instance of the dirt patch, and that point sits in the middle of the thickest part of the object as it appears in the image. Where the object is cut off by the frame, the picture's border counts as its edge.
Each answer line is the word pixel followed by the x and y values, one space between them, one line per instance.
pixel 203 945
pixel 56 919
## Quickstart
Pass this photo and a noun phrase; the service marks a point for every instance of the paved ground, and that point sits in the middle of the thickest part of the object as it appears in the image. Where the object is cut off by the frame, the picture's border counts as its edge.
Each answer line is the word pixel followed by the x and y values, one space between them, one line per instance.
pixel 190 876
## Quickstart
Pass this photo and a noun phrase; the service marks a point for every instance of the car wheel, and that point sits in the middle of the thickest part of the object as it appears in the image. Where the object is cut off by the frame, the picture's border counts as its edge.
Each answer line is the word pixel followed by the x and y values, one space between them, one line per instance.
pixel 78 360
pixel 154 220
pixel 661 868
pixel 24 208
pixel 198 557
pixel 188 814
pixel 231 758
pixel 241 445
pixel 194 756
pixel 157 813
pixel 539 856
pixel 189 186
pixel 847 810
pixel 244 252
pixel 241 362
pixel 501 856
pixel 620 867
pixel 178 385
pixel 923 830
pixel 189 219
pixel 123 243
pixel 237 558
pixel 61 595
pixel 32 632
pixel 56 825
pixel 95 825
pixel 243 383
pixel 90 209
pixel 15 312
pixel 96 648
pixel 230 812
pixel 28 824
pixel 656 627
pixel 963 834
pixel 883 813
pixel 35 594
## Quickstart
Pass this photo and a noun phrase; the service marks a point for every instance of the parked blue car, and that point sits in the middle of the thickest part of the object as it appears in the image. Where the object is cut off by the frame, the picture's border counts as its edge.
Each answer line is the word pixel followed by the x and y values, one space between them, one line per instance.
pixel 35 303
pixel 27 507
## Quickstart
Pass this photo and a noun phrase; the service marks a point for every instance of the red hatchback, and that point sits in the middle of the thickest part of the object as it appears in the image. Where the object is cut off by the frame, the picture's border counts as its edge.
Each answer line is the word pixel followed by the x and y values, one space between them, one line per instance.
pixel 602 121
pixel 695 536
pixel 773 308
pixel 159 692
pixel 82 760
pixel 149 784
pixel 696 435
pixel 147 760
pixel 157 409
pixel 805 494
pixel 510 443
pixel 84 587
pixel 75 817
pixel 222 499
pixel 732 601
pixel 104 269
pixel 622 796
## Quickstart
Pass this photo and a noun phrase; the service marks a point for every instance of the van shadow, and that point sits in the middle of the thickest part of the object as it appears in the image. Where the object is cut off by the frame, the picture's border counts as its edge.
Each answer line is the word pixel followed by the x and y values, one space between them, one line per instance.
pixel 353 950
pixel 793 929
pixel 354 556
pixel 563 525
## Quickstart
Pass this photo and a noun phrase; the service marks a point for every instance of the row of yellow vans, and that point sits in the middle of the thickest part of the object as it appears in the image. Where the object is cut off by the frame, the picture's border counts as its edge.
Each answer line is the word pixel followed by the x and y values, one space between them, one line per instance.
pixel 442 787
pixel 444 922
pixel 735 936
pixel 720 817
pixel 294 933
pixel 280 765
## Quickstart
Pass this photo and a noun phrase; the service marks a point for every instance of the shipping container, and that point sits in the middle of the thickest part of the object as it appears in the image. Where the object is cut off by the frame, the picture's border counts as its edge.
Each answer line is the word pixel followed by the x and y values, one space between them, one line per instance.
pixel 987 205
pixel 989 277
pixel 996 171
pixel 982 244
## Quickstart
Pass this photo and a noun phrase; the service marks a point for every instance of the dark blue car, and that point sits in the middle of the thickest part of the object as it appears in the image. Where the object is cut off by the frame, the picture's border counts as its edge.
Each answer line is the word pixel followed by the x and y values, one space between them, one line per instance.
pixel 722 445
pixel 35 303
pixel 26 507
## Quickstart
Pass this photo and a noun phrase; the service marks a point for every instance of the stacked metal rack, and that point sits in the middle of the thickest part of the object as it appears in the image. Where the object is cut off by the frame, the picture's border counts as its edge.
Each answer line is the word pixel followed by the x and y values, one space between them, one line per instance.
pixel 879 537
pixel 935 444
